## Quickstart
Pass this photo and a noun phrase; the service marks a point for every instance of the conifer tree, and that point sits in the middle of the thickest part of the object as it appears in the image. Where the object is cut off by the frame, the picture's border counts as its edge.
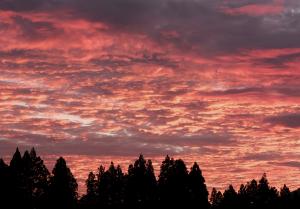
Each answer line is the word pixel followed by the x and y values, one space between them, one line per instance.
pixel 63 187
pixel 197 188
pixel 141 184
pixel 230 198
pixel 216 199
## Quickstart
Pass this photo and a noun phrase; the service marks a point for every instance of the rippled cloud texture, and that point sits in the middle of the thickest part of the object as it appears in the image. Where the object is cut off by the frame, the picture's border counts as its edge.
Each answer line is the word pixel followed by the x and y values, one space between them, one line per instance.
pixel 215 81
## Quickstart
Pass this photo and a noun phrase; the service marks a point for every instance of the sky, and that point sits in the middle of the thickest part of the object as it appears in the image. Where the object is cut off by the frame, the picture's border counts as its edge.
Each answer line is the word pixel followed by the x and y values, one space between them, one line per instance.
pixel 217 82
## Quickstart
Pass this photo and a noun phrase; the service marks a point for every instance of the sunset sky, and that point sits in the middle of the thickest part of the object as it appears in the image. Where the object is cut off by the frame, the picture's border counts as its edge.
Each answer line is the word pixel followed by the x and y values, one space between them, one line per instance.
pixel 217 82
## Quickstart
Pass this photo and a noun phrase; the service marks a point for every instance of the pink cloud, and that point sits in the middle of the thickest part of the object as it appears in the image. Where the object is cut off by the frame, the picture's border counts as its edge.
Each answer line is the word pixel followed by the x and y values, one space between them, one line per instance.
pixel 274 8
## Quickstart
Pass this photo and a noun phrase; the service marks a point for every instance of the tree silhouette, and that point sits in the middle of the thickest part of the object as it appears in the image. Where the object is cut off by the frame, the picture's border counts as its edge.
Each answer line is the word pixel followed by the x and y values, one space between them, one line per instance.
pixel 197 188
pixel 89 200
pixel 19 196
pixel 110 187
pixel 267 196
pixel 230 198
pixel 164 182
pixel 295 199
pixel 39 178
pixel 141 184
pixel 173 183
pixel 91 184
pixel 36 179
pixel 26 183
pixel 16 161
pixel 248 195
pixel 285 197
pixel 6 189
pixel 63 187
pixel 216 199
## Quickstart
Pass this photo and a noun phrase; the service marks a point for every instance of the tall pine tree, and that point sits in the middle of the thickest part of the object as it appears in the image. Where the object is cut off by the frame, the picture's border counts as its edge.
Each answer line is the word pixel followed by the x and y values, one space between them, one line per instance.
pixel 197 188
pixel 63 187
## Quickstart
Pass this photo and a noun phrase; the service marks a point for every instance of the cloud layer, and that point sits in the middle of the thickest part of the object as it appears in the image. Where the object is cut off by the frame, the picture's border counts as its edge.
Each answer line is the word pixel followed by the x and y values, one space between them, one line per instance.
pixel 216 82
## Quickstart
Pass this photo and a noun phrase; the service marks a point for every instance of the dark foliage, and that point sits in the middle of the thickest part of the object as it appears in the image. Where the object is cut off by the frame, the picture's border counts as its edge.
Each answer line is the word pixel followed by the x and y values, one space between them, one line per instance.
pixel 62 191
pixel 27 183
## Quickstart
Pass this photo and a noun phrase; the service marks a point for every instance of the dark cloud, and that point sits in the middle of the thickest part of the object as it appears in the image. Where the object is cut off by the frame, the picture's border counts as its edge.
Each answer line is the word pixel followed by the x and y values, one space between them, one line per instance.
pixel 292 91
pixel 199 26
pixel 234 91
pixel 280 61
pixel 31 30
pixel 294 164
pixel 264 156
pixel 205 139
pixel 279 89
pixel 28 5
pixel 291 120
pixel 146 58
pixel 240 3
pixel 149 144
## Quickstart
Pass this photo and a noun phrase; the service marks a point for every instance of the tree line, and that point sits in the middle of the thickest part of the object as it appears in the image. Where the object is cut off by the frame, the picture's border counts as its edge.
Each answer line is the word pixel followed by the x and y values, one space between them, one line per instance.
pixel 27 183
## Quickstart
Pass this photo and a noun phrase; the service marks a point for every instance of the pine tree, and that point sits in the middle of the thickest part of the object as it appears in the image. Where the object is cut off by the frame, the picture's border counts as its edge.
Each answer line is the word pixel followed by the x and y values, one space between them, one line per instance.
pixel 91 184
pixel 251 194
pixel 267 197
pixel 40 179
pixel 17 183
pixel 285 197
pixel 111 184
pixel 197 188
pixel 230 198
pixel 165 171
pixel 173 183
pixel 27 181
pixel 63 187
pixel 216 199
pixel 141 184
pixel 16 161
pixel 89 200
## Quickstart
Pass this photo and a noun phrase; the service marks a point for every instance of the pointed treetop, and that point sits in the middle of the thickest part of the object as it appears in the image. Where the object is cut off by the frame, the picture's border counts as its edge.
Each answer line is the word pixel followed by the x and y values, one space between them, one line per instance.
pixel 230 191
pixel 101 171
pixel 285 191
pixel 62 161
pixel 253 182
pixel 17 153
pixel 263 182
pixel 2 163
pixel 263 178
pixel 149 166
pixel 141 157
pixel 196 173
pixel 130 169
pixel 285 187
pixel 32 153
pixel 149 162
pixel 196 167
pixel 91 176
pixel 168 160
pixel 140 163
pixel 119 170
pixel 60 165
pixel 231 187
pixel 111 168
pixel 16 159
pixel 26 155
